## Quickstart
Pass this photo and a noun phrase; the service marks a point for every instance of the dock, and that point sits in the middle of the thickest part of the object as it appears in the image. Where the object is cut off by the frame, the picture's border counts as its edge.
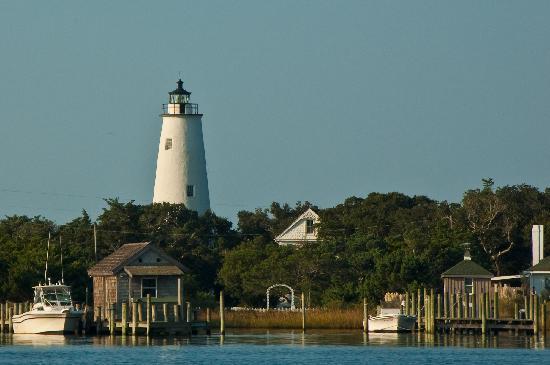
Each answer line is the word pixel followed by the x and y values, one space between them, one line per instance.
pixel 468 313
pixel 137 318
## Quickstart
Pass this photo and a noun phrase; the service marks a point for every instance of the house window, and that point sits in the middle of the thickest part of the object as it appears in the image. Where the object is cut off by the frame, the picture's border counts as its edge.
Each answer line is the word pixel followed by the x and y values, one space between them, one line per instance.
pixel 547 283
pixel 149 286
pixel 469 285
pixel 190 190
pixel 309 226
pixel 168 144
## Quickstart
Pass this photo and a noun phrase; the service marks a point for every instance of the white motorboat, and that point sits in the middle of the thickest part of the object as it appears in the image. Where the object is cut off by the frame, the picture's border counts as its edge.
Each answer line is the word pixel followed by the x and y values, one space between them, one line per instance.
pixel 51 313
pixel 391 320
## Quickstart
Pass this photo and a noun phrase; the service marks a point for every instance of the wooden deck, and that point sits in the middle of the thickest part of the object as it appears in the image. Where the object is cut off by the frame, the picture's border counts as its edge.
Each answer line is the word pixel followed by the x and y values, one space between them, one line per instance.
pixel 475 325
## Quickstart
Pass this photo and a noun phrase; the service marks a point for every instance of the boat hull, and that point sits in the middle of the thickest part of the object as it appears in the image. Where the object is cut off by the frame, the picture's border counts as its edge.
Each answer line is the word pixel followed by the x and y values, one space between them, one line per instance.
pixel 392 323
pixel 46 323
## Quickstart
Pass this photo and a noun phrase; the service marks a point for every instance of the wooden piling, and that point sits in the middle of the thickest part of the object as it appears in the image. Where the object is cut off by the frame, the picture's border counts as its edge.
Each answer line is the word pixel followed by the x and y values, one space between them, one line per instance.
pixel 460 306
pixel 425 301
pixel 438 305
pixel 413 305
pixel 543 318
pixel 134 318
pixel 10 320
pixel 536 312
pixel 99 325
pixel 487 304
pixel 484 315
pixel 140 311
pixel 188 316
pixel 467 308
pixel 2 317
pixel 426 314
pixel 446 305
pixel 112 325
pixel 365 316
pixel 432 313
pixel 303 313
pixel 452 305
pixel 148 314
pixel 153 312
pixel 495 304
pixel 165 311
pixel 124 323
pixel 419 307
pixel 473 300
pixel 526 307
pixel 222 314
pixel 531 306
pixel 176 313
pixel 516 311
pixel 407 304
pixel 208 315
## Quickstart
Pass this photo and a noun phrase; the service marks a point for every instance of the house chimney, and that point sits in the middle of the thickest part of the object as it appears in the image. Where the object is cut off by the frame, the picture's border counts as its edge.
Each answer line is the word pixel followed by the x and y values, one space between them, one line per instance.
pixel 537 234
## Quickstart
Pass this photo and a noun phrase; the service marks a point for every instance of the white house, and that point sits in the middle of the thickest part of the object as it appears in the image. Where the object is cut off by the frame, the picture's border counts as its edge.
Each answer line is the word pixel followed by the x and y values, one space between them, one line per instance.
pixel 302 230
pixel 538 274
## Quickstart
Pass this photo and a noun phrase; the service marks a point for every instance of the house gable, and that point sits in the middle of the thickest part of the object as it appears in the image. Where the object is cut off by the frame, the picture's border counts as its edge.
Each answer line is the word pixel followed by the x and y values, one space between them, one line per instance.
pixel 297 233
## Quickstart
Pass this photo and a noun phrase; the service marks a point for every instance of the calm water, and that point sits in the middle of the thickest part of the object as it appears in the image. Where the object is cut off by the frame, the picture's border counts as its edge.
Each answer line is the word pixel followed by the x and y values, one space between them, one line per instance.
pixel 275 347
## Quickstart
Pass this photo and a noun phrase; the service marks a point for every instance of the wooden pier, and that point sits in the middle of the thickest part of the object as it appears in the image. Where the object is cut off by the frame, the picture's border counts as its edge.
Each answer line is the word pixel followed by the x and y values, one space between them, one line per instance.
pixel 468 313
pixel 137 318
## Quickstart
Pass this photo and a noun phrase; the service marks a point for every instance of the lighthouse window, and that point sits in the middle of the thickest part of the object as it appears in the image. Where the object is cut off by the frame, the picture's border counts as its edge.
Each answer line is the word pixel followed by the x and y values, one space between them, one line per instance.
pixel 168 144
pixel 190 190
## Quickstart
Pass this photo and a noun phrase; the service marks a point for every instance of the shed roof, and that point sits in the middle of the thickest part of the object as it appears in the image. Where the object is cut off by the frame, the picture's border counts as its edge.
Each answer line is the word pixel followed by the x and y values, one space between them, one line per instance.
pixel 165 270
pixel 543 265
pixel 116 261
pixel 467 268
pixel 109 264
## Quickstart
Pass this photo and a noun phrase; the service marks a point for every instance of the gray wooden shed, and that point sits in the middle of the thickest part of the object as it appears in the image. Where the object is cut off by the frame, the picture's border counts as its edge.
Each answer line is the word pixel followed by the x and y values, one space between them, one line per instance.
pixel 135 270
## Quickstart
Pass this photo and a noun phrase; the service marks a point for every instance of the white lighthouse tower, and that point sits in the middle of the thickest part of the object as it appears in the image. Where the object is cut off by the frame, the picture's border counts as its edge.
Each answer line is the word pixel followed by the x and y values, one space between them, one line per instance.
pixel 181 165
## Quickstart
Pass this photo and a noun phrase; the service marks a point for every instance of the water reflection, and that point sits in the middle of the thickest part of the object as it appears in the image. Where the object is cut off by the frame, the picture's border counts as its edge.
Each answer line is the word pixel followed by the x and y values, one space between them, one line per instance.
pixel 290 338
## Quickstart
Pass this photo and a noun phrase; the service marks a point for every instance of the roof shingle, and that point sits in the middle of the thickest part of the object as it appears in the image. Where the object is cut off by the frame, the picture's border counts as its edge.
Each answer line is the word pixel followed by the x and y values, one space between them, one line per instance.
pixel 164 270
pixel 117 258
pixel 467 268
pixel 543 265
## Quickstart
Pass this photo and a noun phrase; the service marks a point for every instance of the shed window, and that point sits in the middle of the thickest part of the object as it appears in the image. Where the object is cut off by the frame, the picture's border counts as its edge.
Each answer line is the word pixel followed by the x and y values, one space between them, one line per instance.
pixel 309 226
pixel 168 144
pixel 469 285
pixel 190 190
pixel 149 286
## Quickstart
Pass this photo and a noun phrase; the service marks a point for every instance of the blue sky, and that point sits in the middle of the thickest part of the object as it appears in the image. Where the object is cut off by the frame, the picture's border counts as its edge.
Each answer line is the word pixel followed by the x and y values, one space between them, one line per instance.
pixel 302 100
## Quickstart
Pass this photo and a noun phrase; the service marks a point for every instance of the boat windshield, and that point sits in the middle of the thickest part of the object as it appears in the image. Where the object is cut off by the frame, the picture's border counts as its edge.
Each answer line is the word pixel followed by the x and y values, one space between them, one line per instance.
pixel 53 296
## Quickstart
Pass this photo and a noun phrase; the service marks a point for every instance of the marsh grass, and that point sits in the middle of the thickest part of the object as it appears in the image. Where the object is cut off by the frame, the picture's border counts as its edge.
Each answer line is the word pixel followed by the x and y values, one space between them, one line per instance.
pixel 351 318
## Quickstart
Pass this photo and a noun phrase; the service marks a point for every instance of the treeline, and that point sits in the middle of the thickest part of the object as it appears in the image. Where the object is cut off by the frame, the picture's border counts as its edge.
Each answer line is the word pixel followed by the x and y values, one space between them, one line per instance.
pixel 368 246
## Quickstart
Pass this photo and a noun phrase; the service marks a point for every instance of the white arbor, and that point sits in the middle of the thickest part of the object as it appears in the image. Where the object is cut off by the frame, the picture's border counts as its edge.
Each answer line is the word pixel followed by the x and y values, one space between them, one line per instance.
pixel 292 307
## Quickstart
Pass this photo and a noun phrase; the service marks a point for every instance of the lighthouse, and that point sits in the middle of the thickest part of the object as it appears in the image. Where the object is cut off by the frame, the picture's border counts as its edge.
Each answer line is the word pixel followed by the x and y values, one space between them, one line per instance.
pixel 181 164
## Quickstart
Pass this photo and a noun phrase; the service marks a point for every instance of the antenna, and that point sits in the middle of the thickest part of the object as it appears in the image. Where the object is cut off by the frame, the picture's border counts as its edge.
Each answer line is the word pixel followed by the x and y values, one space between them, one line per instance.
pixel 95 243
pixel 47 255
pixel 61 253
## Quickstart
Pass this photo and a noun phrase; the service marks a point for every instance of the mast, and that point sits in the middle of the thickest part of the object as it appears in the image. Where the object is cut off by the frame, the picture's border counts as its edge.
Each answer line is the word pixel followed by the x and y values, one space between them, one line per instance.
pixel 47 255
pixel 95 243
pixel 61 253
